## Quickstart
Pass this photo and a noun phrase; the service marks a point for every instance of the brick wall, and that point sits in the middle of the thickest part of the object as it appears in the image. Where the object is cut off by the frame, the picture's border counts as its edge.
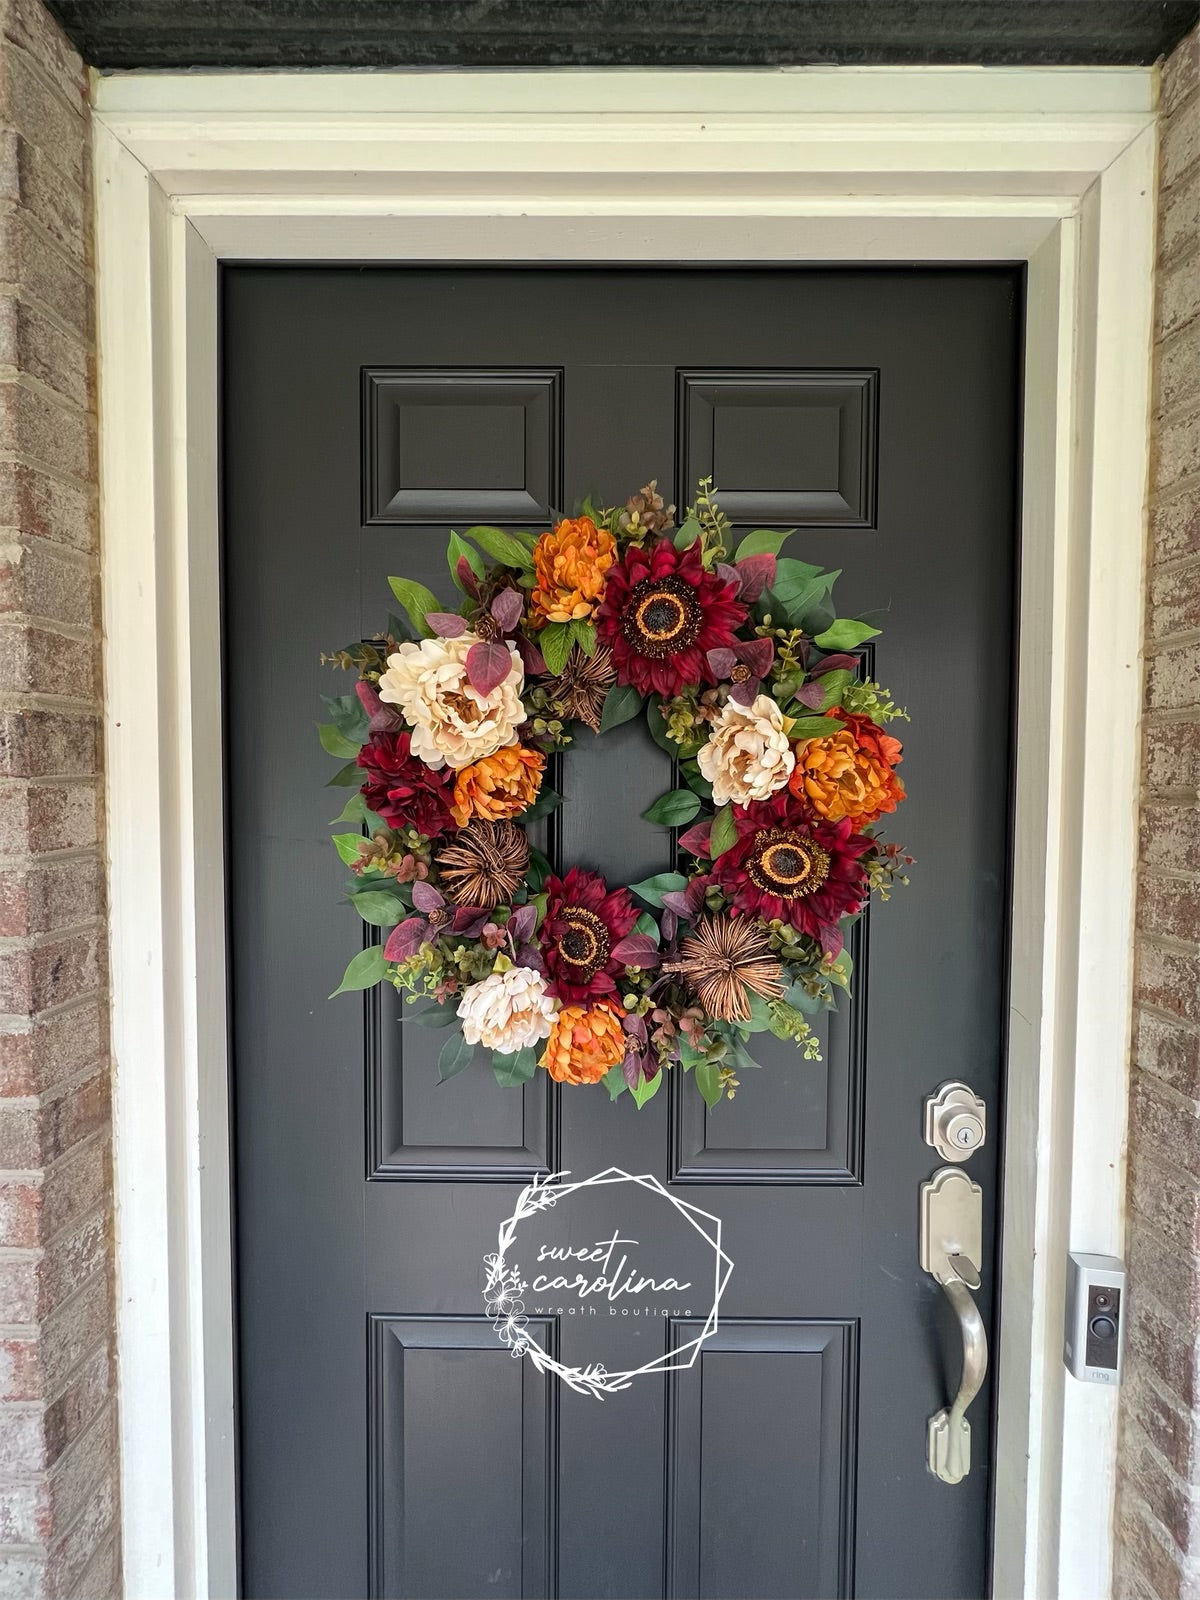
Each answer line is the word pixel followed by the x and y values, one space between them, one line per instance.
pixel 1158 1492
pixel 58 1480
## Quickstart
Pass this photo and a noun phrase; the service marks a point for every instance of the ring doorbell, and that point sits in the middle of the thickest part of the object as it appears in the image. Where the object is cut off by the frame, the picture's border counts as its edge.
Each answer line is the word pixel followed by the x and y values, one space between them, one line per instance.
pixel 1095 1328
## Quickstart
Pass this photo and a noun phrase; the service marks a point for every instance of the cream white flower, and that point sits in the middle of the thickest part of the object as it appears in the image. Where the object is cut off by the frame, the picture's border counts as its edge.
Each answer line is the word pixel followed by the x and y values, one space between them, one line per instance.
pixel 747 756
pixel 507 1011
pixel 453 725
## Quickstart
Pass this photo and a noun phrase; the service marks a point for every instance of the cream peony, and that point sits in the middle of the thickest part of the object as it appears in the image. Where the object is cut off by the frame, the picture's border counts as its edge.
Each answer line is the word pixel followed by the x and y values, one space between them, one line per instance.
pixel 453 725
pixel 747 756
pixel 507 1011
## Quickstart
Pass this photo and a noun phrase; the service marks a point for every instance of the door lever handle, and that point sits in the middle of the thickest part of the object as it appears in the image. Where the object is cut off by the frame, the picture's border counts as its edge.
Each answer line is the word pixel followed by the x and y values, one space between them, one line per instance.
pixel 951 1240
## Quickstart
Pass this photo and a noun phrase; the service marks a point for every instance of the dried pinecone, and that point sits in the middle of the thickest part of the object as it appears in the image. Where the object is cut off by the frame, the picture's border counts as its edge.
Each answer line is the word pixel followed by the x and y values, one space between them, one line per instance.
pixel 579 690
pixel 721 959
pixel 483 864
pixel 645 512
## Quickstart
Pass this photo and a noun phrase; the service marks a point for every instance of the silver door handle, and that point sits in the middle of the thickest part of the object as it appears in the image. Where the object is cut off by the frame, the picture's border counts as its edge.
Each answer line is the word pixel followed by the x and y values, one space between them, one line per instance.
pixel 951 1240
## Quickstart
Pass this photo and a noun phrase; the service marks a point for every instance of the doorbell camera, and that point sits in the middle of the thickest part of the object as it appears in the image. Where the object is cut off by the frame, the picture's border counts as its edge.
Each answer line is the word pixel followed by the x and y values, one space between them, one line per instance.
pixel 1095 1323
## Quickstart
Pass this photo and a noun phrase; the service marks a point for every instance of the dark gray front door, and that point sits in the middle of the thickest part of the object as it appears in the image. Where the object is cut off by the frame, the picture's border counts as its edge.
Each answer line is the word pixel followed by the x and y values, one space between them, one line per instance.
pixel 389 1444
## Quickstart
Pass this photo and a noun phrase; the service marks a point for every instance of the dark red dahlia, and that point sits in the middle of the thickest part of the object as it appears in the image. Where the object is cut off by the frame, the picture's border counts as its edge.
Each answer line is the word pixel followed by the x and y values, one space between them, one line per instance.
pixel 663 613
pixel 790 865
pixel 585 921
pixel 402 790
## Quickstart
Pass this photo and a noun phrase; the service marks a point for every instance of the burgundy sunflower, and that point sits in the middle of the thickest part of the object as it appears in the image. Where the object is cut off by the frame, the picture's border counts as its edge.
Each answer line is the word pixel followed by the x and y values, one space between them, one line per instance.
pixel 789 865
pixel 585 921
pixel 402 790
pixel 662 613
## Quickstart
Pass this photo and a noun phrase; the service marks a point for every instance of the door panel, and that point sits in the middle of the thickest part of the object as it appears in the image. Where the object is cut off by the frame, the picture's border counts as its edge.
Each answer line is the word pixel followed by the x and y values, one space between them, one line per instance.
pixel 389 1445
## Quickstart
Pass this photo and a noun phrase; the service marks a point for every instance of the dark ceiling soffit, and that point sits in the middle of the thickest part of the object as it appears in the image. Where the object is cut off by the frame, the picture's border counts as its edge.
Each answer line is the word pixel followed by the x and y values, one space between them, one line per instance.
pixel 181 34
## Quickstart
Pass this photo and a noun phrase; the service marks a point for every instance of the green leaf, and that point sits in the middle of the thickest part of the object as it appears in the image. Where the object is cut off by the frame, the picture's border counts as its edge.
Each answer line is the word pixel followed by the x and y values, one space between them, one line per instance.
pixel 335 743
pixel 687 533
pixel 648 925
pixel 723 833
pixel 741 1056
pixel 546 802
pixel 454 1055
pixel 647 1088
pixel 344 777
pixel 695 779
pixel 674 809
pixel 764 541
pixel 799 586
pixel 760 1014
pixel 614 1081
pixel 799 997
pixel 348 715
pixel 834 683
pixel 584 635
pixel 380 909
pixel 555 641
pixel 708 1081
pixel 539 870
pixel 435 1016
pixel 503 547
pixel 846 635
pixel 653 889
pixel 510 1070
pixel 416 600
pixel 356 809
pixel 657 724
pixel 456 550
pixel 367 969
pixel 841 970
pixel 814 727
pixel 346 845
pixel 620 705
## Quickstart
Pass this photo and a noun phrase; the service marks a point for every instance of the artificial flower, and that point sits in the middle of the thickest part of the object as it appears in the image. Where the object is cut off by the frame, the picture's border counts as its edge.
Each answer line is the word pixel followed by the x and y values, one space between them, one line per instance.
pixel 748 756
pixel 585 921
pixel 787 865
pixel 584 1043
pixel 645 513
pixel 507 1011
pixel 453 724
pixel 401 789
pixel 501 785
pixel 569 565
pixel 851 772
pixel 661 614
pixel 721 959
pixel 484 864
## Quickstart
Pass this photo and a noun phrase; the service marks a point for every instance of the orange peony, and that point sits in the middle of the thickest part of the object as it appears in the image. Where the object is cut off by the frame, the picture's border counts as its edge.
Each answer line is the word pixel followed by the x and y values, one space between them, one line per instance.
pixel 499 786
pixel 584 1043
pixel 850 773
pixel 570 564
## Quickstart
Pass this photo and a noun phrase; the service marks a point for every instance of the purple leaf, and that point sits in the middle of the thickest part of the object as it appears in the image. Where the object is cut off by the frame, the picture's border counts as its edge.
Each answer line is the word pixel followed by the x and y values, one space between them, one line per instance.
pixel 488 664
pixel 426 897
pixel 446 624
pixel 470 921
pixel 528 955
pixel 745 693
pixel 669 923
pixel 531 657
pixel 677 901
pixel 694 893
pixel 638 950
pixel 407 939
pixel 756 573
pixel 466 577
pixel 508 609
pixel 635 1026
pixel 521 923
pixel 695 839
pixel 368 697
pixel 835 662
pixel 727 573
pixel 758 654
pixel 631 1068
pixel 721 662
pixel 811 695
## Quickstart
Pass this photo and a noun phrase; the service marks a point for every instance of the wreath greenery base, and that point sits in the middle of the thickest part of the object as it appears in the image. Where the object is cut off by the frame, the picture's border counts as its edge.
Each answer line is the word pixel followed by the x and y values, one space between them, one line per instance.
pixel 785 769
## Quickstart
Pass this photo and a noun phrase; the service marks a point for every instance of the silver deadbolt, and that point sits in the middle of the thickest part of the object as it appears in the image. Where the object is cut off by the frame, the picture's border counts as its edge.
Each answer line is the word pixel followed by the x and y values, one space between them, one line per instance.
pixel 955 1121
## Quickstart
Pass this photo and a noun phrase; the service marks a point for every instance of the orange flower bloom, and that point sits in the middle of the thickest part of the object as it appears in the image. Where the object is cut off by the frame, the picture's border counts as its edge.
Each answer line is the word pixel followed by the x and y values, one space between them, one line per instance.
pixel 850 773
pixel 570 565
pixel 499 786
pixel 584 1043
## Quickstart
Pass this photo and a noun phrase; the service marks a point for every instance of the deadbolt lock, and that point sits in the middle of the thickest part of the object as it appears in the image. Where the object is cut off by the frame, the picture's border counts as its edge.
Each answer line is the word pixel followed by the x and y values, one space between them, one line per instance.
pixel 955 1121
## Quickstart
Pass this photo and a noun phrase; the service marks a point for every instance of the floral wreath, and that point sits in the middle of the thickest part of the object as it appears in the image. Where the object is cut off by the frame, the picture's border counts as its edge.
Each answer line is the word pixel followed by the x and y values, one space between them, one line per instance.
pixel 746 677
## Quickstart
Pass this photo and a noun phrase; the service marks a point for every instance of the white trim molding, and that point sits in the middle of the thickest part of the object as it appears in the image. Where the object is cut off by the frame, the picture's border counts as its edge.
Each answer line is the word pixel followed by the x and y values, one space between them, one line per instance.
pixel 1053 168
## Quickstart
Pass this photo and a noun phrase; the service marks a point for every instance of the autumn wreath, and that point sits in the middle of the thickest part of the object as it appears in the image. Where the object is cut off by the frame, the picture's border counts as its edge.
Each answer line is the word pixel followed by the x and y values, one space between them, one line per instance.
pixel 746 677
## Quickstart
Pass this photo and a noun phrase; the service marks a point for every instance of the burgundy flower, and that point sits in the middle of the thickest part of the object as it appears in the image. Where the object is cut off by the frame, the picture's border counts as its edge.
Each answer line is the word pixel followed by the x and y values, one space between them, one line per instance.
pixel 662 613
pixel 402 790
pixel 790 865
pixel 585 921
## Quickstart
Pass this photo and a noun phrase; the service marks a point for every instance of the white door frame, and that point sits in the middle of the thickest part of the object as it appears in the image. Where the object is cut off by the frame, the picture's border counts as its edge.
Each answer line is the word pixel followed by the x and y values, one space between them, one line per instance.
pixel 1050 167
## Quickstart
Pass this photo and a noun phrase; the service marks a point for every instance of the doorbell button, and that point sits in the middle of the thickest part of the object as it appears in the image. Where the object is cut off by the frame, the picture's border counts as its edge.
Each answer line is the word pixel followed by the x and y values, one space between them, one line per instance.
pixel 1095 1307
pixel 955 1121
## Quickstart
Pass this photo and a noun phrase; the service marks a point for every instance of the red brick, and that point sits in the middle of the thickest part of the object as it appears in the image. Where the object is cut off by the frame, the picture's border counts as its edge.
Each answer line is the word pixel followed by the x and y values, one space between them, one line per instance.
pixel 1144 1545
pixel 38 974
pixel 20 1210
pixel 1181 73
pixel 1178 293
pixel 1175 523
pixel 48 744
pixel 1179 216
pixel 27 23
pixel 29 178
pixel 45 1052
pixel 1167 1427
pixel 1158 1264
pixel 25 1516
pixel 1173 601
pixel 45 118
pixel 72 1553
pixel 1171 756
pixel 21 1375
pixel 1176 449
pixel 1166 907
pixel 47 277
pixel 40 579
pixel 40 661
pixel 1168 980
pixel 38 428
pixel 44 896
pixel 31 342
pixel 1173 678
pixel 1163 1349
pixel 1169 838
pixel 77 1363
pixel 1170 1050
